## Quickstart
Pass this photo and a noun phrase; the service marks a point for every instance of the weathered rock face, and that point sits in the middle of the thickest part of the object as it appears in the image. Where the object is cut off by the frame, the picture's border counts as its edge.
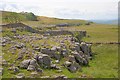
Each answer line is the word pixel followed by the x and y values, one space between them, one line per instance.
pixel 78 57
pixel 77 46
pixel 72 58
pixel 61 77
pixel 20 45
pixel 44 60
pixel 54 66
pixel 32 66
pixel 16 69
pixel 53 53
pixel 36 47
pixel 72 66
pixel 13 30
pixel 4 63
pixel 39 70
pixel 86 48
pixel 62 25
pixel 45 50
pixel 81 58
pixel 64 53
pixel 25 63
pixel 21 53
pixel 5 41
pixel 20 75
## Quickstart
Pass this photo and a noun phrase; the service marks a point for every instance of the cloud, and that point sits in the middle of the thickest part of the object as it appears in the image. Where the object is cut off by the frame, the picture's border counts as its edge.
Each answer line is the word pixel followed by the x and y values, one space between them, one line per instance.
pixel 75 9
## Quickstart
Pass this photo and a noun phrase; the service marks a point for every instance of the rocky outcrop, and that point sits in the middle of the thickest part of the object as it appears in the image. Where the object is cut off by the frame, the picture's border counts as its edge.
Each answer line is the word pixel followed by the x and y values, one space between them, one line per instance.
pixel 72 66
pixel 86 48
pixel 24 64
pixel 44 60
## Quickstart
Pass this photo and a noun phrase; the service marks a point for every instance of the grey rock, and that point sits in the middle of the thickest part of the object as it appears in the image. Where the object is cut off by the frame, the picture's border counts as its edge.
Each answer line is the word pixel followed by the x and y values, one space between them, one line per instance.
pixel 13 30
pixel 54 66
pixel 39 70
pixel 45 50
pixel 45 77
pixel 20 75
pixel 59 71
pixel 31 68
pixel 78 57
pixel 67 63
pixel 4 63
pixel 25 64
pixel 61 77
pixel 20 55
pixel 1 71
pixel 34 74
pixel 57 56
pixel 71 58
pixel 64 53
pixel 44 60
pixel 86 48
pixel 20 45
pixel 57 61
pixel 37 49
pixel 85 61
pixel 16 69
pixel 33 62
pixel 73 67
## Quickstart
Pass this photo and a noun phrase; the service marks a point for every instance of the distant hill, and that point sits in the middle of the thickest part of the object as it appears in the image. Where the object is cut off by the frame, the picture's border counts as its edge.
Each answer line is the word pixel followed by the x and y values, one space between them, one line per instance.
pixel 13 17
pixel 51 20
pixel 34 20
pixel 115 22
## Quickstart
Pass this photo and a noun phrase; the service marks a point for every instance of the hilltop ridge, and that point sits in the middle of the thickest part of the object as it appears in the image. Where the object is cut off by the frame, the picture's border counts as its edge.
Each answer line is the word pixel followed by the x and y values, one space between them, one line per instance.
pixel 30 18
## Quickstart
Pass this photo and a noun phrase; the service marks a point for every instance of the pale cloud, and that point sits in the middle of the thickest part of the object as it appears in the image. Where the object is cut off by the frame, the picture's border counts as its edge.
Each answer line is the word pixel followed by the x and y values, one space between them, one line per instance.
pixel 72 9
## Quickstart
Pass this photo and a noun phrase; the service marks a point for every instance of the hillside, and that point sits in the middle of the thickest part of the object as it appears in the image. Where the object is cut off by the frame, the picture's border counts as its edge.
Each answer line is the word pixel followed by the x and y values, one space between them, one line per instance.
pixel 35 21
pixel 57 48
pixel 13 17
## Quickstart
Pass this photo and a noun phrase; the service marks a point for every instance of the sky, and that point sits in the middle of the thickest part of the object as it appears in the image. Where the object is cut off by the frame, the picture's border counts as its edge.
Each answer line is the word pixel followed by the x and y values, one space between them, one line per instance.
pixel 66 9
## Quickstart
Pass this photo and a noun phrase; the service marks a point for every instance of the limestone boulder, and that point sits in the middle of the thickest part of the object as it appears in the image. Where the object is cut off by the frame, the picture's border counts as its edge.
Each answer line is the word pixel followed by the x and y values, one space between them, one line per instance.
pixel 20 45
pixel 86 48
pixel 72 58
pixel 78 57
pixel 25 63
pixel 31 68
pixel 73 67
pixel 64 52
pixel 44 60
pixel 20 75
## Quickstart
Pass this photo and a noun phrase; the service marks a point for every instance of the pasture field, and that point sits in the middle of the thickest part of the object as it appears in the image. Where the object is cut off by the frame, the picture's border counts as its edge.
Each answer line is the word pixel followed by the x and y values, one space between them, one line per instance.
pixel 104 63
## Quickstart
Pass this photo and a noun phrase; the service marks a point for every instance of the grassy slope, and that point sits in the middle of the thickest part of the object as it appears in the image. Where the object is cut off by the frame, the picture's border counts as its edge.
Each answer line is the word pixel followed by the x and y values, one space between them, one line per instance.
pixel 99 32
pixel 103 65
pixel 13 17
pixel 52 21
pixel 105 61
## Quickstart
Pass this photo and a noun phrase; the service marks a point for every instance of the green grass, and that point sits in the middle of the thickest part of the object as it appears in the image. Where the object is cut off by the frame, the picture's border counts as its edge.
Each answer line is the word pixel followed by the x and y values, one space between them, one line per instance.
pixel 105 62
pixel 103 65
pixel 98 32
pixel 13 17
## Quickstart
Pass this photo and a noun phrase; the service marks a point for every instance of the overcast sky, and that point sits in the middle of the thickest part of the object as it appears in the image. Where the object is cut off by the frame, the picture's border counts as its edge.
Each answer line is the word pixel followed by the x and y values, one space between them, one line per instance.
pixel 70 9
